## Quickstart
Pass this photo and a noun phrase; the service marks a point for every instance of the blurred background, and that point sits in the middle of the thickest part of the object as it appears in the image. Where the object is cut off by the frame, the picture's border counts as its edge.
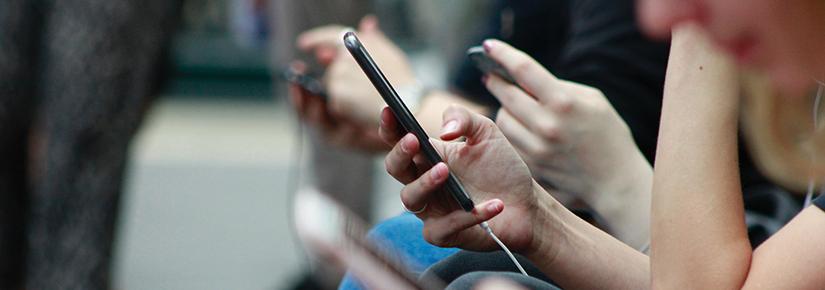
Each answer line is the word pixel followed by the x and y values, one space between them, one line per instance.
pixel 206 191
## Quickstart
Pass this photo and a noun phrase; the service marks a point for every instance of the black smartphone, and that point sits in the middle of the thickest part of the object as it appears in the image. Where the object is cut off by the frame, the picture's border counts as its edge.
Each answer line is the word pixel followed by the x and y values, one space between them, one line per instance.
pixel 307 81
pixel 403 115
pixel 487 65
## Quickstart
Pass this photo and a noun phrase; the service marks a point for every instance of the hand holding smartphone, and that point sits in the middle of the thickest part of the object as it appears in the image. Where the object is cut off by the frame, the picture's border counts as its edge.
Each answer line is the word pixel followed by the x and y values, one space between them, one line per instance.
pixel 403 115
pixel 309 82
pixel 487 65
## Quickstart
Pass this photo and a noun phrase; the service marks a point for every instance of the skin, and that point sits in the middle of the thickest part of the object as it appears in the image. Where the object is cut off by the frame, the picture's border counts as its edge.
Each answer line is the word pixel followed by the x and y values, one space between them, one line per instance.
pixel 782 38
pixel 568 134
pixel 698 235
pixel 562 130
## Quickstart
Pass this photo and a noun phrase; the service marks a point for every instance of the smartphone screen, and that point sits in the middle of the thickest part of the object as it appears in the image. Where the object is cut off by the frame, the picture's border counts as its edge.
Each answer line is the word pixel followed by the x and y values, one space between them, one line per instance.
pixel 403 115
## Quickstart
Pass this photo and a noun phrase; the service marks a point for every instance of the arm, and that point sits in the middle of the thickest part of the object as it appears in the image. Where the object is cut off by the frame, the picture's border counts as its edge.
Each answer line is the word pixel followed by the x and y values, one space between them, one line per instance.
pixel 570 135
pixel 521 213
pixel 348 117
pixel 698 233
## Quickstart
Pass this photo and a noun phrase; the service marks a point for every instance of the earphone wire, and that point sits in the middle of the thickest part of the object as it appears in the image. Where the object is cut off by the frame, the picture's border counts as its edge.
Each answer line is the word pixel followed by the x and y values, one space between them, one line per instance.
pixel 817 126
pixel 486 227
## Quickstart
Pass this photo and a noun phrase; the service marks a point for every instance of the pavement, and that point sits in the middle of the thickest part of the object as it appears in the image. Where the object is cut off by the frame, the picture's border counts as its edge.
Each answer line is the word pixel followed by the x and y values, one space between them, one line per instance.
pixel 205 204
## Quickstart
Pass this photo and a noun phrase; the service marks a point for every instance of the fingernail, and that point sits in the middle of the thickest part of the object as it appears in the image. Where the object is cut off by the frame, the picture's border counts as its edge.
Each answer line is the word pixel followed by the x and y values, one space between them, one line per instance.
pixel 405 144
pixel 450 127
pixel 438 171
pixel 484 79
pixel 494 206
pixel 488 45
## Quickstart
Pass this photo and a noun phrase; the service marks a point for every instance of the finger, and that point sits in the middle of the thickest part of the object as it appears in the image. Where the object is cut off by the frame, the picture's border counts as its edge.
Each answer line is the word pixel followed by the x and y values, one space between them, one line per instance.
pixel 415 195
pixel 296 99
pixel 529 74
pixel 368 24
pixel 329 36
pixel 445 231
pixel 399 162
pixel 522 138
pixel 326 54
pixel 388 127
pixel 458 122
pixel 317 113
pixel 523 108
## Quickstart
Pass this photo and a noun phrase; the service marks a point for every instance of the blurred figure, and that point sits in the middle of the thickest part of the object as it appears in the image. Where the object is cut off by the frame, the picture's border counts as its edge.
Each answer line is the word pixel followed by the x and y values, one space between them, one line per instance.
pixel 76 77
pixel 345 174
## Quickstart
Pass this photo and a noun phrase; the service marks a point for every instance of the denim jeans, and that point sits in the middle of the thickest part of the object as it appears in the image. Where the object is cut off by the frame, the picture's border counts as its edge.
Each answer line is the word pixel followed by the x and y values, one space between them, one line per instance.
pixel 401 236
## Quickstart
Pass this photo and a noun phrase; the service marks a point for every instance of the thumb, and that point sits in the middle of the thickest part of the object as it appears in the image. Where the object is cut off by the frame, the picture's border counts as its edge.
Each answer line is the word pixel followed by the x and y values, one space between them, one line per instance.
pixel 369 24
pixel 460 122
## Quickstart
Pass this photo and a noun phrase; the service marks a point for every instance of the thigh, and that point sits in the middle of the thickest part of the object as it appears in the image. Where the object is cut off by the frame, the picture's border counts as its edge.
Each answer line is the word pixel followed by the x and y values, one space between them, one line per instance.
pixel 471 280
pixel 464 262
pixel 401 238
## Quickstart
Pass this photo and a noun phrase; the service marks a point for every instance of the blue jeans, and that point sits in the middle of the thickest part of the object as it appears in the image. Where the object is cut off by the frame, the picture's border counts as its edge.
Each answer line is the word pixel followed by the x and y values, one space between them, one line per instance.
pixel 401 237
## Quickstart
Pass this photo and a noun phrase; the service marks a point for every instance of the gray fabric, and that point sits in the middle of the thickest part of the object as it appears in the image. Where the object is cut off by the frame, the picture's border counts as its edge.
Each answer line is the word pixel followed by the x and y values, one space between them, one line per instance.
pixel 471 280
pixel 75 79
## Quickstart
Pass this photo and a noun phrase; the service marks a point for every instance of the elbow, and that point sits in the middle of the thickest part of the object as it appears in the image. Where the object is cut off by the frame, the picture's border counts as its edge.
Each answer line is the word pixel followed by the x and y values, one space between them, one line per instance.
pixel 727 269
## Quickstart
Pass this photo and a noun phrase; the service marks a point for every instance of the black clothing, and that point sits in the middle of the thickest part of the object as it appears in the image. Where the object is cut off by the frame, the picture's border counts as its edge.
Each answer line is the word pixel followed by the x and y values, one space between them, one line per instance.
pixel 593 42
pixel 598 43
pixel 820 202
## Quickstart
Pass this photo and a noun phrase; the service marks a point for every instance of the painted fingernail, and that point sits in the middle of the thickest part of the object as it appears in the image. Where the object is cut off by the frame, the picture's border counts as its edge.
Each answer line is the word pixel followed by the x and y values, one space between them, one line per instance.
pixel 450 127
pixel 488 45
pixel 494 206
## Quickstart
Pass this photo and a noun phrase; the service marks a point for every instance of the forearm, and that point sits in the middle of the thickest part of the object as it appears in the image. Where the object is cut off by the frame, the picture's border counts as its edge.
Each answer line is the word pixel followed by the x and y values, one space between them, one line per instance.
pixel 577 255
pixel 432 106
pixel 625 201
pixel 698 232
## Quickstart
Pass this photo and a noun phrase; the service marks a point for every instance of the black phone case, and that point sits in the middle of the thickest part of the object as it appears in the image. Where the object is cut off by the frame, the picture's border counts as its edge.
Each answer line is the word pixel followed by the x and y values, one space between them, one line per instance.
pixel 403 115
pixel 487 65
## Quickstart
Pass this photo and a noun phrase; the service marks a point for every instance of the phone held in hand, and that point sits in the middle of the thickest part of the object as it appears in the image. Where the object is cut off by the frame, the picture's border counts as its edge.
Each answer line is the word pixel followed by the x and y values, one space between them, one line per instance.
pixel 307 81
pixel 403 115
pixel 487 65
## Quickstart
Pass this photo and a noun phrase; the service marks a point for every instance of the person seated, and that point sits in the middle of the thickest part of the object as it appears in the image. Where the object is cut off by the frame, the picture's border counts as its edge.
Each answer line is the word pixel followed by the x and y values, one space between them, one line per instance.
pixel 595 161
pixel 698 232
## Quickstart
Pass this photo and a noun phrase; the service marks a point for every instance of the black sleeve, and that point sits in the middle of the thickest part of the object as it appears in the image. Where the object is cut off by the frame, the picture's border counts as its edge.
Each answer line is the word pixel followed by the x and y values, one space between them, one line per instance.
pixel 607 50
pixel 593 42
pixel 820 202
pixel 538 28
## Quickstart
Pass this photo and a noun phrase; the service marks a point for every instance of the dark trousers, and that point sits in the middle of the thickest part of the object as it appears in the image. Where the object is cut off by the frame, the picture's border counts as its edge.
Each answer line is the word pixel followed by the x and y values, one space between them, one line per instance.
pixel 75 79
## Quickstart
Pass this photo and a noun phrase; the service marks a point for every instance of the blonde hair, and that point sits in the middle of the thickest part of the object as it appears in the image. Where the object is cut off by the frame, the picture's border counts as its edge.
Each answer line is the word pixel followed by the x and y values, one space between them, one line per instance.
pixel 786 139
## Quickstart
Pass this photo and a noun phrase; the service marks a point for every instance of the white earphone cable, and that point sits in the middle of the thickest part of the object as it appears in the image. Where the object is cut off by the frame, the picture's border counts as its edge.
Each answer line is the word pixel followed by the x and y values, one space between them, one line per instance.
pixel 489 231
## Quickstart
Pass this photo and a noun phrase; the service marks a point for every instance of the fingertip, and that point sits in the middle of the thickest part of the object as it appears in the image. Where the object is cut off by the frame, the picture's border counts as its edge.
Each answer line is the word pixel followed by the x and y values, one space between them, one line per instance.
pixel 450 130
pixel 368 23
pixel 495 206
pixel 489 45
pixel 409 143
pixel 439 171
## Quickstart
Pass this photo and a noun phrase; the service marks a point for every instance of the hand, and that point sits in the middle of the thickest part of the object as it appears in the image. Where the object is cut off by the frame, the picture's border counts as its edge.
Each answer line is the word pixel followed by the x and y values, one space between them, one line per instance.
pixel 351 93
pixel 335 129
pixel 568 133
pixel 490 170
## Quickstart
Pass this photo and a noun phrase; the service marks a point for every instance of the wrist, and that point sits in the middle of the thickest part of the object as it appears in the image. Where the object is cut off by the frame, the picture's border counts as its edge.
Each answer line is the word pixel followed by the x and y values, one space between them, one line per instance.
pixel 413 92
pixel 633 176
pixel 548 228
